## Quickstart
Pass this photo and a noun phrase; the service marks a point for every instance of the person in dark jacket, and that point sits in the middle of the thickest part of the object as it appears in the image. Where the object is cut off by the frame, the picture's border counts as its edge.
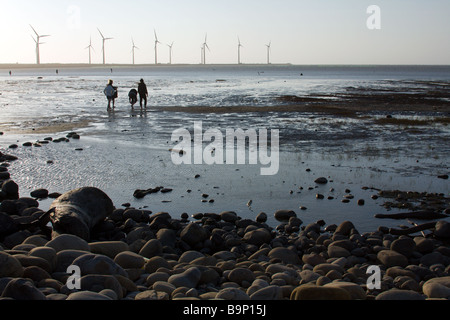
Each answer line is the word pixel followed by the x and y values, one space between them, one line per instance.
pixel 143 93
pixel 133 97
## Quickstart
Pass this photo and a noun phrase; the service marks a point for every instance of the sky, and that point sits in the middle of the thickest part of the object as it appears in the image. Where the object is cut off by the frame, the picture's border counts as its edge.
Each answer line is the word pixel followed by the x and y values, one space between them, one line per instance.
pixel 300 31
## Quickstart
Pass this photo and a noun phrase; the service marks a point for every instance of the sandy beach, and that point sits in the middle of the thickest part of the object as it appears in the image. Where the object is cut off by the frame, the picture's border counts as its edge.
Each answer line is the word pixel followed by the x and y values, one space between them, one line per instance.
pixel 141 228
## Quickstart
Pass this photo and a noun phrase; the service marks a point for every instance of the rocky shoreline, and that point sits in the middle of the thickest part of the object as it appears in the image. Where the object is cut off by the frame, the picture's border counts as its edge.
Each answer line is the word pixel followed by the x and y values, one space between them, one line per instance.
pixel 135 254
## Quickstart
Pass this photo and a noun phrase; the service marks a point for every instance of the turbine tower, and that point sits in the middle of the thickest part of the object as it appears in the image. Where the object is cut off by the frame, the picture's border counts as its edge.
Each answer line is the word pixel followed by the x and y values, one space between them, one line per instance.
pixel 156 47
pixel 103 46
pixel 38 42
pixel 204 47
pixel 239 50
pixel 133 48
pixel 268 51
pixel 170 53
pixel 90 47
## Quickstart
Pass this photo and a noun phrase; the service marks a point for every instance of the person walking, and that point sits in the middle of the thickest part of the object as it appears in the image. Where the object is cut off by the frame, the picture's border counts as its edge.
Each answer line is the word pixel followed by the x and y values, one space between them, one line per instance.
pixel 111 94
pixel 143 93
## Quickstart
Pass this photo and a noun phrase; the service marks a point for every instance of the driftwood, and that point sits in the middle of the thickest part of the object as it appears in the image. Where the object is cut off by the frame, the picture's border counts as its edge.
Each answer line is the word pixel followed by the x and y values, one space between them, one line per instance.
pixel 418 228
pixel 419 215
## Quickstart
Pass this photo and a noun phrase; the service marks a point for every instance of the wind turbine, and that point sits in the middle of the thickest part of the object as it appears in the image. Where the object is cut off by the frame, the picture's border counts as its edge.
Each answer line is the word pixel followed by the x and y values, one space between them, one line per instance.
pixel 90 47
pixel 204 47
pixel 170 53
pixel 103 47
pixel 239 50
pixel 156 47
pixel 37 40
pixel 134 47
pixel 268 51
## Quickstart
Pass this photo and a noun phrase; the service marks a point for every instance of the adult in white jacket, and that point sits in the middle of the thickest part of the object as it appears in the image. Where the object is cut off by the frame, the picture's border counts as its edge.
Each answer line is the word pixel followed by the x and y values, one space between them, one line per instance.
pixel 111 94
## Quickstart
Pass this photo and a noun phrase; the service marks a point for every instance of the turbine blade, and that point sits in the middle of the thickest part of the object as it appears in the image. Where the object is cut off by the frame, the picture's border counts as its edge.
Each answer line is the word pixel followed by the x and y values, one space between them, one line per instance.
pixel 101 33
pixel 34 30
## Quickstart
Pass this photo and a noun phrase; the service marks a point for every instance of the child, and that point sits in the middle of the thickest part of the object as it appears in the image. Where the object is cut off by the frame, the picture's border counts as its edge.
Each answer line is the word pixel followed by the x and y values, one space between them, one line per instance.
pixel 133 97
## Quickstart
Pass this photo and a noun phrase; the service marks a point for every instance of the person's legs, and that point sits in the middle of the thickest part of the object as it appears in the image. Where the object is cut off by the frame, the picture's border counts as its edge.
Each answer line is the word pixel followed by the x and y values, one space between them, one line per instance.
pixel 109 102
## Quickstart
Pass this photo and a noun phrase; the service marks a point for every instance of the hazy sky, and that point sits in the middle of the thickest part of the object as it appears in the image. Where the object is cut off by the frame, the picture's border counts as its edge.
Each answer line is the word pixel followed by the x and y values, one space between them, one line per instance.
pixel 301 31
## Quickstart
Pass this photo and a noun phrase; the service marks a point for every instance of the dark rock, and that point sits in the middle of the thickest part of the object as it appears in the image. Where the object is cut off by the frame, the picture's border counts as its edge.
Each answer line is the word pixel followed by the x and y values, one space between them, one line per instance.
pixel 39 193
pixel 321 180
pixel 79 211
pixel 22 289
pixel 284 215
pixel 194 234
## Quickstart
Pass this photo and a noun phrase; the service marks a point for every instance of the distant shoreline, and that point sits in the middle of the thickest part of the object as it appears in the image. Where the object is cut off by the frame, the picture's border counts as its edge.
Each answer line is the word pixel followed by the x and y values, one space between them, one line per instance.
pixel 13 66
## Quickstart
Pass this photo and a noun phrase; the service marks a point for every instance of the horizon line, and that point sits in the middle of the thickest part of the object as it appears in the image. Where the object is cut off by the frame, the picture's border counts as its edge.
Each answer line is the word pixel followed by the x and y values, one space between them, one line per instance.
pixel 128 65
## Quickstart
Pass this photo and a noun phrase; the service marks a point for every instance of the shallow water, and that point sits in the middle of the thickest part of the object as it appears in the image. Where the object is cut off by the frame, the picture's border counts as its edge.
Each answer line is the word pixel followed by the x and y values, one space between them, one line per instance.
pixel 127 150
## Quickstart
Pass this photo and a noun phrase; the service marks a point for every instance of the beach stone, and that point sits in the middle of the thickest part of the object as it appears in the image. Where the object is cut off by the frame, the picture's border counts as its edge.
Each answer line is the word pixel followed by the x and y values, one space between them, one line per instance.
pixel 355 290
pixel 129 260
pixel 98 265
pixel 65 258
pixel 239 275
pixel 258 284
pixel 157 276
pixel 229 216
pixel 87 296
pixel 321 180
pixel 404 246
pixel 261 217
pixel 337 252
pixel 7 225
pixel 424 245
pixel 37 240
pixel 78 211
pixel 194 234
pixel 345 228
pixel 324 268
pixel 152 248
pixel 68 242
pixel 437 288
pixel 313 259
pixel 39 193
pixel 230 294
pixel 258 236
pixel 432 258
pixel 313 292
pixel 35 273
pixel 22 289
pixel 108 248
pixel 189 278
pixel 27 261
pixel 152 295
pixel 189 256
pixel 10 266
pixel 154 263
pixel 99 282
pixel 270 293
pixel 403 295
pixel 284 215
pixel 162 286
pixel 391 258
pixel 11 189
pixel 286 255
pixel 309 276
pixel 442 230
pixel 167 237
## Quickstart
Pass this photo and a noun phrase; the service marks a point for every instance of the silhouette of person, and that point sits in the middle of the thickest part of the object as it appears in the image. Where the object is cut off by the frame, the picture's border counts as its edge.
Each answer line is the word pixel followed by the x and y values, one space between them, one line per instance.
pixel 133 97
pixel 143 93
pixel 111 94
